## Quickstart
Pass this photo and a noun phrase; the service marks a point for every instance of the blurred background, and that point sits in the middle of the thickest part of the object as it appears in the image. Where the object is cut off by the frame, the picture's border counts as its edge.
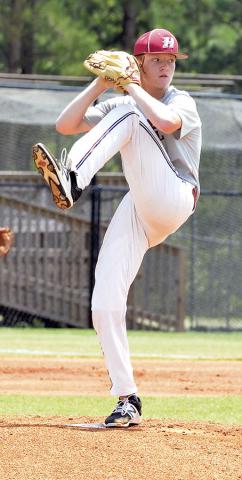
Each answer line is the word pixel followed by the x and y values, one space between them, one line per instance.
pixel 53 36
pixel 193 281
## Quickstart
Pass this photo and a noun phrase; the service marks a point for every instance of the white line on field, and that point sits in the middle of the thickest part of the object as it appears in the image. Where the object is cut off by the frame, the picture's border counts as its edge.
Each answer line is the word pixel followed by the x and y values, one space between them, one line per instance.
pixel 21 351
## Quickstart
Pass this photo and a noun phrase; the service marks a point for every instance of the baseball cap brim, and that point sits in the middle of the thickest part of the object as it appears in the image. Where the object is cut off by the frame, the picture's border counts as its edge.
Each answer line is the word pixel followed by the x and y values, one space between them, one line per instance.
pixel 180 56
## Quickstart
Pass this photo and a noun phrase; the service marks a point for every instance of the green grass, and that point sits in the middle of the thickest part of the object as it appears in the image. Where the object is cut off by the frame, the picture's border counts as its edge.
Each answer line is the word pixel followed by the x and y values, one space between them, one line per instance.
pixel 75 342
pixel 226 410
pixel 81 343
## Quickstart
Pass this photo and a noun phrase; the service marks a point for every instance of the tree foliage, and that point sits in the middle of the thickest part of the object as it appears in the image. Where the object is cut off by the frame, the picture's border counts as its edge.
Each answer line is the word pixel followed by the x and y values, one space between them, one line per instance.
pixel 54 36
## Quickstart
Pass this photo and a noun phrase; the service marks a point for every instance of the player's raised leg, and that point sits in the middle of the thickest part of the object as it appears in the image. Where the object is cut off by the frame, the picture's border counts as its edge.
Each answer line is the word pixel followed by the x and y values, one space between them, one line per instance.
pixel 69 175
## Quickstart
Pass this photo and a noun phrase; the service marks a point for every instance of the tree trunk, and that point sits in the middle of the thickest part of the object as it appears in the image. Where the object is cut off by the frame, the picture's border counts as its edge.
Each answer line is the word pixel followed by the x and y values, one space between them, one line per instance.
pixel 133 13
pixel 14 35
pixel 20 36
pixel 27 49
pixel 129 26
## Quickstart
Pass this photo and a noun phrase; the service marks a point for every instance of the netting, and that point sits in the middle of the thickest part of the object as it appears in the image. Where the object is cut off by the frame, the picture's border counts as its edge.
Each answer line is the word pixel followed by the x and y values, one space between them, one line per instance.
pixel 211 239
pixel 28 116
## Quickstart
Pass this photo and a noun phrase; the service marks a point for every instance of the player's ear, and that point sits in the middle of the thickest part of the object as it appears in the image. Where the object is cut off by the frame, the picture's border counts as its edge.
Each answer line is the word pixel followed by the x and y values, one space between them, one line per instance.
pixel 140 60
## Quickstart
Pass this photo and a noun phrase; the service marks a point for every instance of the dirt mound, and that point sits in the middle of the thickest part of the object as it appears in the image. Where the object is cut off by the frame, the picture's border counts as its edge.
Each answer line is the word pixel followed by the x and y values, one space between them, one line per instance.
pixel 40 448
pixel 44 448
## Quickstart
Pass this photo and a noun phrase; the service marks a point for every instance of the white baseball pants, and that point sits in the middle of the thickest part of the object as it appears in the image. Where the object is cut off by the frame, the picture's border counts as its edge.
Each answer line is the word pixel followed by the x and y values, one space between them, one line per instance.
pixel 157 204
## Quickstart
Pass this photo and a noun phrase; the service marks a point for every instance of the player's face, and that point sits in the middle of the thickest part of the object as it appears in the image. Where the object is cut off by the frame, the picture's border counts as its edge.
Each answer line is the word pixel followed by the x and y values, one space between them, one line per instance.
pixel 157 71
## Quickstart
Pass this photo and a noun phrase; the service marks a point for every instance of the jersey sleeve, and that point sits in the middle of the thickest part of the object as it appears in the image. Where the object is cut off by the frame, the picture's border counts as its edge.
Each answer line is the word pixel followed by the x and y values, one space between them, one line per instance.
pixel 185 107
pixel 97 112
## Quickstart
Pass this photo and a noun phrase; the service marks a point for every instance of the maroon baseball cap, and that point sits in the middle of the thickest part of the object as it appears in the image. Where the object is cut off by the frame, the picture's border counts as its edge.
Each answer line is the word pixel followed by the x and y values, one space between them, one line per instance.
pixel 158 40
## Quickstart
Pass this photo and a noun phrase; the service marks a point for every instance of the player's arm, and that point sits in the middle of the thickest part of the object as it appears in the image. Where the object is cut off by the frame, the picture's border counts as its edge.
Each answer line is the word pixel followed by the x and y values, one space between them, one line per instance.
pixel 123 70
pixel 160 115
pixel 71 120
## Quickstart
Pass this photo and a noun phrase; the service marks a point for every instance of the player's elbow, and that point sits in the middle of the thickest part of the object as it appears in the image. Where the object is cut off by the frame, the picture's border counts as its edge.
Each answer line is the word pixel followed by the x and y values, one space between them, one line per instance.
pixel 65 125
pixel 169 128
pixel 62 127
pixel 65 128
pixel 170 125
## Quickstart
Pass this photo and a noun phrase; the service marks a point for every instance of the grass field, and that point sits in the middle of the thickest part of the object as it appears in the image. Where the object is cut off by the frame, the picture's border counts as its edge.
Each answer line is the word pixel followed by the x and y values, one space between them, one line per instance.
pixel 72 342
pixel 81 343
pixel 225 410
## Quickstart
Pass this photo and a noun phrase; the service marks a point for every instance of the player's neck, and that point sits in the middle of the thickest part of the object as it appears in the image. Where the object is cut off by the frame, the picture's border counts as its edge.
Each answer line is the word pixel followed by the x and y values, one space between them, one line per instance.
pixel 156 92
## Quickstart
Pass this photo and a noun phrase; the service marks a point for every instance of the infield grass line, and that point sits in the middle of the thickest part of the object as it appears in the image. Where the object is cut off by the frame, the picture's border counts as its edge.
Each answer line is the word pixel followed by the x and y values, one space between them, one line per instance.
pixel 219 409
pixel 154 356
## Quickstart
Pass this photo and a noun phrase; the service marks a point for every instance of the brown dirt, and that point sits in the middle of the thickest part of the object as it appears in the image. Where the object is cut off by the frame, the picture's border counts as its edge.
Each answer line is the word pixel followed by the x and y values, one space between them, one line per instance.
pixel 154 377
pixel 44 448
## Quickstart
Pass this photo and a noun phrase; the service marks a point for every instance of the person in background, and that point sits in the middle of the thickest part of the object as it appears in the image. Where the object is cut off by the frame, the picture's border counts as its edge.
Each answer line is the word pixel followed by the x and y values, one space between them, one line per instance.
pixel 6 240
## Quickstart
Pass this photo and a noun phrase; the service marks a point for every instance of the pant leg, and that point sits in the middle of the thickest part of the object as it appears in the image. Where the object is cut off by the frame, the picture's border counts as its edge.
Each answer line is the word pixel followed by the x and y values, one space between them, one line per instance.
pixel 163 199
pixel 90 153
pixel 120 257
pixel 157 204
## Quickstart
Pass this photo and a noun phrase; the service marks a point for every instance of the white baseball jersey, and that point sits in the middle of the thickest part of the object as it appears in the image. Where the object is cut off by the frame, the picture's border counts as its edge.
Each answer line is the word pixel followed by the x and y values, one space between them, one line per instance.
pixel 185 153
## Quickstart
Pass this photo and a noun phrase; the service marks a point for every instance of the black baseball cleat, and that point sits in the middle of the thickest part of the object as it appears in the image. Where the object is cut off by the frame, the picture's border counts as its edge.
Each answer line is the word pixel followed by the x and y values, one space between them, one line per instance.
pixel 126 413
pixel 60 179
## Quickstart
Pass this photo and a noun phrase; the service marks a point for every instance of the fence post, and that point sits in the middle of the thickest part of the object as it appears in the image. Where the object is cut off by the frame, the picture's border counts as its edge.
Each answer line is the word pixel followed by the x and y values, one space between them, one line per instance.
pixel 192 272
pixel 95 240
pixel 180 306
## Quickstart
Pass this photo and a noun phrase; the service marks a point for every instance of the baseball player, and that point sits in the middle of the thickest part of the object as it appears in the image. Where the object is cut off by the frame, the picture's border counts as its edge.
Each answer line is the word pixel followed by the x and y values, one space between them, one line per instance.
pixel 6 240
pixel 157 130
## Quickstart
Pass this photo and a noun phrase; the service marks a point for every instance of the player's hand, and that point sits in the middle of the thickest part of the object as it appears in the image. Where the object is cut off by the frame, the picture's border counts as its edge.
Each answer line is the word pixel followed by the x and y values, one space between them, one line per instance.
pixel 105 84
pixel 6 240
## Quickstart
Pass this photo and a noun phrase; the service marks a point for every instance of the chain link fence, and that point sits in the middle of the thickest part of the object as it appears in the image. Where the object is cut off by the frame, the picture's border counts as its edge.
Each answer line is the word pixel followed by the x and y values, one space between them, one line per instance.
pixel 211 239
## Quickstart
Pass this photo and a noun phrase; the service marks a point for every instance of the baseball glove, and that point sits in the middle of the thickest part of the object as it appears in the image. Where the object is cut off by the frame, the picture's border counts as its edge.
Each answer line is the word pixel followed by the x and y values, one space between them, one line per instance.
pixel 6 240
pixel 121 68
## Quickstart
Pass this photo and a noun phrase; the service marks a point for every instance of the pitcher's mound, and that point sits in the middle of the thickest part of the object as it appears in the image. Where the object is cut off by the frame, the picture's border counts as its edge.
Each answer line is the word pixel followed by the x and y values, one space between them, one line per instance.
pixel 46 448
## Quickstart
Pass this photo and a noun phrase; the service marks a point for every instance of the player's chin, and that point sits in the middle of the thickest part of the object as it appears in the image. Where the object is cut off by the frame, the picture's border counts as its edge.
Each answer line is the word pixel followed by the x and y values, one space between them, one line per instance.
pixel 164 82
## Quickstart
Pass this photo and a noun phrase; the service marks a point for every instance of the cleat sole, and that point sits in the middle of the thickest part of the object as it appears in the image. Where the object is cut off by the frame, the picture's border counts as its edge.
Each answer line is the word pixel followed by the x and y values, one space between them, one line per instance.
pixel 48 172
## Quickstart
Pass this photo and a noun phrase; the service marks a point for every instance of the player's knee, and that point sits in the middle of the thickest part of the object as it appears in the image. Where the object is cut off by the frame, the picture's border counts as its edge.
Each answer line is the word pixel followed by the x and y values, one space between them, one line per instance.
pixel 108 297
pixel 103 302
pixel 129 110
pixel 104 322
